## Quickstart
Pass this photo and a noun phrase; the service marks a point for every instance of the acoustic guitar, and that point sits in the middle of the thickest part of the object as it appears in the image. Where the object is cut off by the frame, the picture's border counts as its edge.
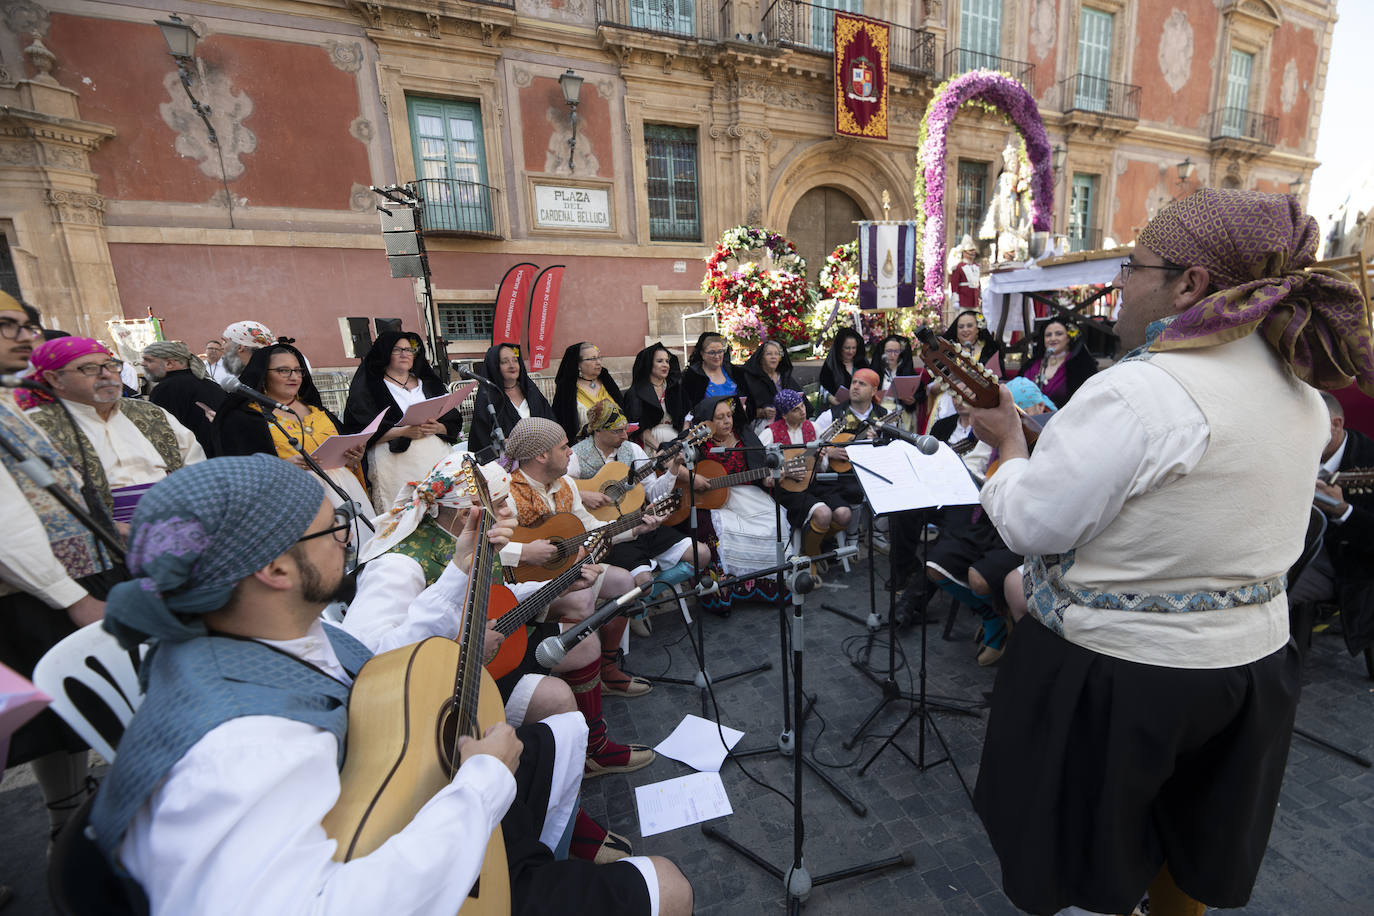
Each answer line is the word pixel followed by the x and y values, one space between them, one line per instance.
pixel 511 623
pixel 841 465
pixel 567 535
pixel 406 713
pixel 624 487
pixel 718 490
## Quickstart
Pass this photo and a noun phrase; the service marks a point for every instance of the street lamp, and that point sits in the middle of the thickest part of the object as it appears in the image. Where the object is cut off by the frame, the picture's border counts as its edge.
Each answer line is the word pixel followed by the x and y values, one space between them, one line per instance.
pixel 181 44
pixel 571 85
pixel 1186 168
pixel 1295 187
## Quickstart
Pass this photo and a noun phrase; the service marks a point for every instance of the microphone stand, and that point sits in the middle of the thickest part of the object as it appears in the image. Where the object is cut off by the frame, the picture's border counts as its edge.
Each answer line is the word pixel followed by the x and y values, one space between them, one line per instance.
pixel 315 466
pixel 787 744
pixel 797 880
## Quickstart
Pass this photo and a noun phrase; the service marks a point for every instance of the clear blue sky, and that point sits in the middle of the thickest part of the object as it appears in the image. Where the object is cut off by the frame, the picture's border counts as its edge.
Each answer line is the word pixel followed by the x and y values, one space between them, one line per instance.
pixel 1345 141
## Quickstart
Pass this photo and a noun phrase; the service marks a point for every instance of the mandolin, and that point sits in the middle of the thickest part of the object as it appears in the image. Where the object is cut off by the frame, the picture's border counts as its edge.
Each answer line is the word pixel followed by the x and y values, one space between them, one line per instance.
pixel 808 458
pixel 568 536
pixel 624 487
pixel 966 377
pixel 511 624
pixel 718 490
pixel 406 713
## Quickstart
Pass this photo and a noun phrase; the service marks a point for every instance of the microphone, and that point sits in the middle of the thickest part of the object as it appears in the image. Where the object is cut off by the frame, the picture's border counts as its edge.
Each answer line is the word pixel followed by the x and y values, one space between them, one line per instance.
pixel 472 376
pixel 234 386
pixel 554 649
pixel 926 445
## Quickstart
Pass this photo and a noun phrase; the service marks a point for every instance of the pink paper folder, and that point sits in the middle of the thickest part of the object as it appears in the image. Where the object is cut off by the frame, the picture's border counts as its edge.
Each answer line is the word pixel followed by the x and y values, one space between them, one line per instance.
pixel 904 386
pixel 330 452
pixel 434 408
pixel 842 395
pixel 20 701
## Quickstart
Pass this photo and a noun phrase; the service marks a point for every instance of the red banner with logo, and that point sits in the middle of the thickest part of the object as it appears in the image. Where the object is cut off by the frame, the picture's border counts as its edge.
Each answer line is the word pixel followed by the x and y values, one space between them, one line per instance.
pixel 861 68
pixel 543 314
pixel 511 300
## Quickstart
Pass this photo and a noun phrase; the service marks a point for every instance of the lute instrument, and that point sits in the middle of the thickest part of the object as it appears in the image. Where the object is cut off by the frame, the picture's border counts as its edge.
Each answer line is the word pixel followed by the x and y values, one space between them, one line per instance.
pixel 1354 481
pixel 564 530
pixel 625 487
pixel 407 710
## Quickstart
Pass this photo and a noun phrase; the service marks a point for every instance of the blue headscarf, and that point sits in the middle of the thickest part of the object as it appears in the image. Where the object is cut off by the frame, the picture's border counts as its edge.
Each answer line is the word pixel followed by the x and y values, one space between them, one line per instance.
pixel 1027 394
pixel 201 531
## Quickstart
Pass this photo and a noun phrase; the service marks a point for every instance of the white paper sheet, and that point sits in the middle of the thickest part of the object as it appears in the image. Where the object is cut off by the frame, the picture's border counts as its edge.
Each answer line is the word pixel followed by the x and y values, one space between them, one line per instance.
pixel 329 453
pixel 696 742
pixel 680 802
pixel 914 481
pixel 436 407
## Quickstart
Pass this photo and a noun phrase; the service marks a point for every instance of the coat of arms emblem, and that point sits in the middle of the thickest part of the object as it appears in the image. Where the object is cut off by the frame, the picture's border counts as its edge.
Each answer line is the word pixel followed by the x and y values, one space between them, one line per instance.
pixel 862 80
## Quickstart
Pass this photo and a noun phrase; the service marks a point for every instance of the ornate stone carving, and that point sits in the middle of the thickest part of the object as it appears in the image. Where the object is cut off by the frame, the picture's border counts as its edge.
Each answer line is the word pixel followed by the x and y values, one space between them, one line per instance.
pixel 405 19
pixel 64 157
pixel 668 58
pixel 371 13
pixel 24 17
pixel 521 77
pixel 1288 89
pixel 22 153
pixel 346 55
pixel 361 130
pixel 360 198
pixel 1176 50
pixel 5 78
pixel 42 60
pixel 76 207
pixel 605 89
pixel 490 32
pixel 432 20
pixel 228 111
pixel 753 179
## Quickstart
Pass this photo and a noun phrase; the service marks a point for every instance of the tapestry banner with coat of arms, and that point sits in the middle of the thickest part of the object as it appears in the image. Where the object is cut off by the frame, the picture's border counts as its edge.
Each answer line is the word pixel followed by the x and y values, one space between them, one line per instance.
pixel 861 67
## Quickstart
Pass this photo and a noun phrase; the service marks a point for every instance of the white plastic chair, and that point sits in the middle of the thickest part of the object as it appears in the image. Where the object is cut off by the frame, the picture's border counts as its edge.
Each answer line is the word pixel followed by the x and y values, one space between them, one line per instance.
pixel 94 686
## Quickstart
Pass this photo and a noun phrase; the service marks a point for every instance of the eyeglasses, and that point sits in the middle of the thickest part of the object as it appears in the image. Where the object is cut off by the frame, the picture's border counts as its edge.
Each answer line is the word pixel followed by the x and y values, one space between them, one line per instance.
pixel 402 349
pixel 715 352
pixel 595 357
pixel 343 526
pixel 91 370
pixel 1129 265
pixel 10 329
pixel 285 372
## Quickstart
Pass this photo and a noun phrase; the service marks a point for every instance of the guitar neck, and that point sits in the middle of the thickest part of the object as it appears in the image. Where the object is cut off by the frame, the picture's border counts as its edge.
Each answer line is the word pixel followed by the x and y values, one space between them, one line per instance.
pixel 468 681
pixel 547 594
pixel 730 480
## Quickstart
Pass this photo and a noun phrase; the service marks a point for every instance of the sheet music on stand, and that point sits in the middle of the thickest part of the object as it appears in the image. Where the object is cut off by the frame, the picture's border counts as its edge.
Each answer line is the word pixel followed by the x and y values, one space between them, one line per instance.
pixel 914 481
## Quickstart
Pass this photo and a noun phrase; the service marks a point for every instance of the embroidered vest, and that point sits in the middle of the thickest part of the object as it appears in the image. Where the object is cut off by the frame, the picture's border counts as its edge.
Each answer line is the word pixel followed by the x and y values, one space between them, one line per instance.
pixel 194 686
pixel 73 545
pixel 590 460
pixel 148 419
pixel 530 507
pixel 430 546
pixel 782 435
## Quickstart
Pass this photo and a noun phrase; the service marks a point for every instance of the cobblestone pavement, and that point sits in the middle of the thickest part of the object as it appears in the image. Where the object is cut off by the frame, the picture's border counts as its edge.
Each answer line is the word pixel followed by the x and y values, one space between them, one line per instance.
pixel 1321 852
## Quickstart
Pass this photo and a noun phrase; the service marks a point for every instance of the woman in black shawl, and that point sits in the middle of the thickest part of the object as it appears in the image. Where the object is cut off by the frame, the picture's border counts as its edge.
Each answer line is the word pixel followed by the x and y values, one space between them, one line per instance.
pixel 520 397
pixel 969 330
pixel 709 372
pixel 394 375
pixel 655 394
pixel 846 354
pixel 766 371
pixel 581 382
pixel 892 357
pixel 241 427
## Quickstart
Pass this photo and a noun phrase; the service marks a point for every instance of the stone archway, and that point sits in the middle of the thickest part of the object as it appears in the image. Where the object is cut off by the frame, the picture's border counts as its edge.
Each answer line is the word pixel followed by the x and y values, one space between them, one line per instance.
pixel 822 219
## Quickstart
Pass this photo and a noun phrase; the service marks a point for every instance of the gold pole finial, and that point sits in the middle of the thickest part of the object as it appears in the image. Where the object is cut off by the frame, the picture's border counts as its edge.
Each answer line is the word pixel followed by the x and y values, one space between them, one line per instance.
pixel 887 203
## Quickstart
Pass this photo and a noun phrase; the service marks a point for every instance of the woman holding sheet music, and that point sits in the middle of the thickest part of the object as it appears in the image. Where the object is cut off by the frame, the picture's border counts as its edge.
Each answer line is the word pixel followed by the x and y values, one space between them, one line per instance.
pixel 892 359
pixel 241 427
pixel 394 376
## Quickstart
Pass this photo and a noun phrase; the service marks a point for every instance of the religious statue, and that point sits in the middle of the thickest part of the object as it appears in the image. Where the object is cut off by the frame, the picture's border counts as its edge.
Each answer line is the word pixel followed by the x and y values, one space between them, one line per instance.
pixel 1008 214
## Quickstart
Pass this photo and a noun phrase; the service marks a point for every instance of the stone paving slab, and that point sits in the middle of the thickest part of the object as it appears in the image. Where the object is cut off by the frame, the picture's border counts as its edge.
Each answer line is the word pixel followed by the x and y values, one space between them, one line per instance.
pixel 1321 851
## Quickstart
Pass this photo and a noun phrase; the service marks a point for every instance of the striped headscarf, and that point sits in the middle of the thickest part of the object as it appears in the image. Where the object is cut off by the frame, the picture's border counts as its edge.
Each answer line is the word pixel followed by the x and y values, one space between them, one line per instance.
pixel 175 349
pixel 1257 248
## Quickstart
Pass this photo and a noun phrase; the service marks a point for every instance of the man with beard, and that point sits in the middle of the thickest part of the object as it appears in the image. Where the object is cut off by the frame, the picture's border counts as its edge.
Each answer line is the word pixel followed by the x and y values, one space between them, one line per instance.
pixel 240 340
pixel 117 442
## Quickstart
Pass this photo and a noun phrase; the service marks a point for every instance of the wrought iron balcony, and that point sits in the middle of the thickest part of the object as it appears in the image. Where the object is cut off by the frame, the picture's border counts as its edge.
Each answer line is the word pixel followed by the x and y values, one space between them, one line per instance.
pixel 796 24
pixel 1082 92
pixel 912 50
pixel 504 4
pixel 679 18
pixel 962 60
pixel 457 207
pixel 1240 124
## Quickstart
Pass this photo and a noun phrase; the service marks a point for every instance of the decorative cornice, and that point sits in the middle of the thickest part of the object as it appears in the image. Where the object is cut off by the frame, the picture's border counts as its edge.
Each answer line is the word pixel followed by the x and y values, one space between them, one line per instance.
pixel 80 207
pixel 21 124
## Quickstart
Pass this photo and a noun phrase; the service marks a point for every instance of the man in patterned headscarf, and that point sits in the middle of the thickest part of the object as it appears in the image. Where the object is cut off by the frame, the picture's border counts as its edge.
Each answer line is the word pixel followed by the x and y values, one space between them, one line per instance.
pixel 1142 716
pixel 240 340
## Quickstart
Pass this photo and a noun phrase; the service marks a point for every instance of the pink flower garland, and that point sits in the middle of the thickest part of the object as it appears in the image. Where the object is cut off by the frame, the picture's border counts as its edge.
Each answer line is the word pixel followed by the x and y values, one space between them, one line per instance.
pixel 1012 99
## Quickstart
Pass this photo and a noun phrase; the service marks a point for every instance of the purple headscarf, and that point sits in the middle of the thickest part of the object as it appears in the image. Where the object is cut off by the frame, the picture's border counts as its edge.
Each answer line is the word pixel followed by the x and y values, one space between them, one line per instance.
pixel 1257 248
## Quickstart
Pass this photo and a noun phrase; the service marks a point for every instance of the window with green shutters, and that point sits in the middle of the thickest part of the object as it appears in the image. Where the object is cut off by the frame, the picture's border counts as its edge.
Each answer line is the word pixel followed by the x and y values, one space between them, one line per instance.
pixel 467 320
pixel 1094 59
pixel 676 17
pixel 450 163
pixel 1237 94
pixel 1082 201
pixel 674 214
pixel 980 33
pixel 822 31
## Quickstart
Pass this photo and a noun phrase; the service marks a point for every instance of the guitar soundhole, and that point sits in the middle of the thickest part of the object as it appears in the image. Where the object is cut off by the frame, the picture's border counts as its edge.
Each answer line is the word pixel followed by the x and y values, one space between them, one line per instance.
pixel 447 735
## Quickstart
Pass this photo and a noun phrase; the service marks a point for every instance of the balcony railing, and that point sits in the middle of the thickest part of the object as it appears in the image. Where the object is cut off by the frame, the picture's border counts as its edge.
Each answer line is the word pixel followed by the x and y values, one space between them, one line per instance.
pixel 504 4
pixel 962 60
pixel 793 23
pixel 1239 124
pixel 913 50
pixel 1082 92
pixel 661 17
pixel 457 207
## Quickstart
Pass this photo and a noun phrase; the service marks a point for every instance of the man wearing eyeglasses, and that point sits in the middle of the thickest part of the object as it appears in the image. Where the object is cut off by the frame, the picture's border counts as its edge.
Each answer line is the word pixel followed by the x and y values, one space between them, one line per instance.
pixel 53 572
pixel 1142 715
pixel 117 442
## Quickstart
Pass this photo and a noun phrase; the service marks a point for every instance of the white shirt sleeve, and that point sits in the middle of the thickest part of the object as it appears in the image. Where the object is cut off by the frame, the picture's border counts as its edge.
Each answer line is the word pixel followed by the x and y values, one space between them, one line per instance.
pixel 386 587
pixel 235 828
pixel 437 611
pixel 1127 431
pixel 26 559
